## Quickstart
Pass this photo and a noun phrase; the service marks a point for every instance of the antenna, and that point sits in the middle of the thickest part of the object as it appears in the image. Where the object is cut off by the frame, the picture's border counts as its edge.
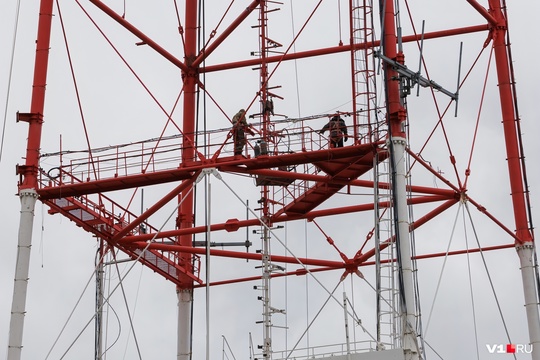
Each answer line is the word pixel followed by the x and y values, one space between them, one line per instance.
pixel 142 228
pixel 413 77
pixel 248 243
pixel 421 54
pixel 458 76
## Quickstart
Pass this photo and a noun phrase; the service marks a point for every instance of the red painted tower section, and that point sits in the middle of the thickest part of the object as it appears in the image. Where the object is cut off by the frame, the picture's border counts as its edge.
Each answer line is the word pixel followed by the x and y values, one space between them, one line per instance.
pixel 509 120
pixel 30 171
pixel 396 112
pixel 524 238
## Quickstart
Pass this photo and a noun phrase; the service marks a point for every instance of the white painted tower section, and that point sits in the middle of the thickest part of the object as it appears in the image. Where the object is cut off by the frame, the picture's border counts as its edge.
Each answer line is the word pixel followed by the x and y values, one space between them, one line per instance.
pixel 528 276
pixel 18 306
pixel 185 302
pixel 410 344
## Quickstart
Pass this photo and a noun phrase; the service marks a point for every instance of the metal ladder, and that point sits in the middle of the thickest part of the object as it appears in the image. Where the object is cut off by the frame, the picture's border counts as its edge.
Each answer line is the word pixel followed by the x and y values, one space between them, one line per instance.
pixel 364 84
pixel 386 265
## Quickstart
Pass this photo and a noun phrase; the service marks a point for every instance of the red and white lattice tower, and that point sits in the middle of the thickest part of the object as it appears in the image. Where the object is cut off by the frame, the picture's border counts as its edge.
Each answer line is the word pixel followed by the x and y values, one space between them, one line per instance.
pixel 182 73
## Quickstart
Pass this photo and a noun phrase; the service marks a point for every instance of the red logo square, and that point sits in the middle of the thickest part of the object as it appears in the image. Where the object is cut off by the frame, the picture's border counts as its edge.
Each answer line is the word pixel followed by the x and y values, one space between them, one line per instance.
pixel 510 348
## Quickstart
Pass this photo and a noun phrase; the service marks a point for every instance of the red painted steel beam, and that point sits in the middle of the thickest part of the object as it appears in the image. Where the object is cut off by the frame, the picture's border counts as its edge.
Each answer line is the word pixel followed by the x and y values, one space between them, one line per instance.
pixel 482 10
pixel 396 114
pixel 484 211
pixel 340 49
pixel 509 120
pixel 85 226
pixel 431 170
pixel 367 207
pixel 321 178
pixel 239 255
pixel 423 220
pixel 117 183
pixel 119 19
pixel 154 208
pixel 432 214
pixel 298 272
pixel 190 166
pixel 451 253
pixel 29 172
pixel 302 271
pixel 215 44
pixel 234 224
pixel 231 225
pixel 185 219
pixel 465 251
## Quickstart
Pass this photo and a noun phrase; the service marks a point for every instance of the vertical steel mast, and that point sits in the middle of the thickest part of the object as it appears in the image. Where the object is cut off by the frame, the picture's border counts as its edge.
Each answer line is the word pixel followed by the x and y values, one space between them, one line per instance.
pixel 100 271
pixel 265 120
pixel 525 240
pixel 397 143
pixel 29 180
pixel 185 218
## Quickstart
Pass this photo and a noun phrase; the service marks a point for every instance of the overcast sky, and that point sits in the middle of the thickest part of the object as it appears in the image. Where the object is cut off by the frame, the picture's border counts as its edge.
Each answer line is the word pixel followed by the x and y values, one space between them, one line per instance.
pixel 118 110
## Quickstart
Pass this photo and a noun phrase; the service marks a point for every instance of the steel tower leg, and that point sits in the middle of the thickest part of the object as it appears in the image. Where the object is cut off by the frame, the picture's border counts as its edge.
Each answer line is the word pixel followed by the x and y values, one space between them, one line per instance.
pixel 528 276
pixel 185 300
pixel 396 117
pixel 185 213
pixel 29 180
pixel 404 256
pixel 524 244
pixel 18 307
pixel 98 336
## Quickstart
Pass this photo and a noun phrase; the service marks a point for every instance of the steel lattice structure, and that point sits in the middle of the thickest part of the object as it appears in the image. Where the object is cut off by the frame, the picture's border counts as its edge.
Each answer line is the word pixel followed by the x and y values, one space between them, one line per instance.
pixel 297 174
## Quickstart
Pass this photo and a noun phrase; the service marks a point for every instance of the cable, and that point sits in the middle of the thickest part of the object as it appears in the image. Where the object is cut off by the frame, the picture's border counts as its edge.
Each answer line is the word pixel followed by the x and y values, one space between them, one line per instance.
pixel 339 22
pixel 313 320
pixel 307 280
pixel 75 85
pixel 488 275
pixel 358 320
pixel 471 288
pixel 15 30
pixel 286 288
pixel 121 279
pixel 281 242
pixel 352 307
pixel 436 353
pixel 119 328
pixel 442 271
pixel 127 308
pixel 307 270
pixel 72 311
pixel 478 117
pixel 134 305
pixel 295 63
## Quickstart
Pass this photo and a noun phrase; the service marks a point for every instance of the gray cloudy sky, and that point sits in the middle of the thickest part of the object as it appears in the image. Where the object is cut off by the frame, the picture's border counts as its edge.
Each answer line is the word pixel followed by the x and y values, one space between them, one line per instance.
pixel 117 110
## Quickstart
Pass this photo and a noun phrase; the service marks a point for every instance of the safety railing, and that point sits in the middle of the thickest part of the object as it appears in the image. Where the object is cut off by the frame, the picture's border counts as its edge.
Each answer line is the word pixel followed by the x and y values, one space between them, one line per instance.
pixel 166 153
pixel 324 351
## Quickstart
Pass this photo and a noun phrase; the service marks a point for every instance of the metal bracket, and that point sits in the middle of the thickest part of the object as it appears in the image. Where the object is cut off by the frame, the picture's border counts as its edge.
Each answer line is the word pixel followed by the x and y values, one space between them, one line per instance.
pixel 413 78
pixel 208 171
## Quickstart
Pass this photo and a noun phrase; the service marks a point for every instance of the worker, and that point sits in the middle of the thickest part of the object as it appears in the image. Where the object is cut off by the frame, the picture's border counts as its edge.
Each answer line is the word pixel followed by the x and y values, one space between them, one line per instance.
pixel 269 106
pixel 240 126
pixel 338 131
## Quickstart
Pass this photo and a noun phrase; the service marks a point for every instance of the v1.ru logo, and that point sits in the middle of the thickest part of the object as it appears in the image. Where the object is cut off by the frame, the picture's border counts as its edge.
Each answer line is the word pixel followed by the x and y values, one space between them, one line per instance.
pixel 509 348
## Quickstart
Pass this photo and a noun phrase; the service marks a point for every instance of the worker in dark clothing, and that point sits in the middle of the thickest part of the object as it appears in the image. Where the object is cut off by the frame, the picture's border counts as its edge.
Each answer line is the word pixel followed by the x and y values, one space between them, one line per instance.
pixel 269 106
pixel 338 131
pixel 240 126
